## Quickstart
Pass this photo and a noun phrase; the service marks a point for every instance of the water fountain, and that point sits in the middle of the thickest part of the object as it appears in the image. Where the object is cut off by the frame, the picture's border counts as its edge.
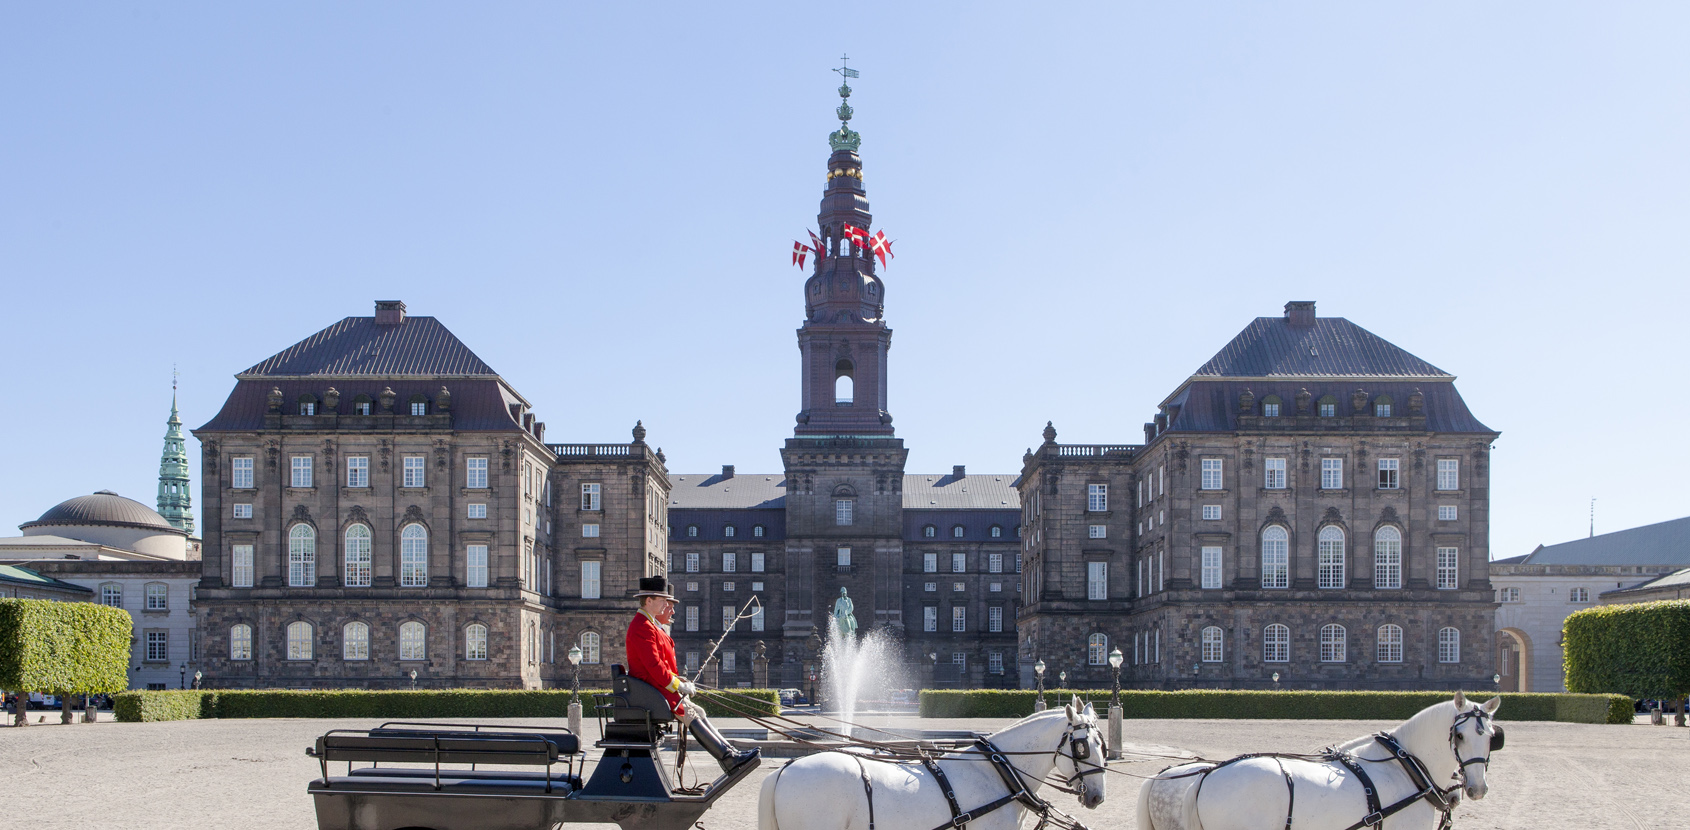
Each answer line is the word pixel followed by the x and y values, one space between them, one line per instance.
pixel 858 667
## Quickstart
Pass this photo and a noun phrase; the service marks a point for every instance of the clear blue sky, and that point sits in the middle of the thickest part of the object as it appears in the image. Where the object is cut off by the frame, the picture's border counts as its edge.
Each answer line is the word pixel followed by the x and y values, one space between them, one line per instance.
pixel 1089 201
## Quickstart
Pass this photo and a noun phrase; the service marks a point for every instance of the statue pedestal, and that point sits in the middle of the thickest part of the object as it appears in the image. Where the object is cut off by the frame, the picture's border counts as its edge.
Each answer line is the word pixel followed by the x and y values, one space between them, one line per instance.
pixel 1114 731
pixel 575 716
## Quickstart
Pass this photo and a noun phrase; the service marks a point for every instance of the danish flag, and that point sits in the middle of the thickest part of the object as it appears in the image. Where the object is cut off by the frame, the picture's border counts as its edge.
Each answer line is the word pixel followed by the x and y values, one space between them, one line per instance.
pixel 881 247
pixel 799 251
pixel 857 235
pixel 816 245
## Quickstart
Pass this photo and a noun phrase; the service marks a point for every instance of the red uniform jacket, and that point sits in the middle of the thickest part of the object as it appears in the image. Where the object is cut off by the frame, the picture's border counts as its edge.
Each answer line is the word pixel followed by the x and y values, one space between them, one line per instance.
pixel 651 657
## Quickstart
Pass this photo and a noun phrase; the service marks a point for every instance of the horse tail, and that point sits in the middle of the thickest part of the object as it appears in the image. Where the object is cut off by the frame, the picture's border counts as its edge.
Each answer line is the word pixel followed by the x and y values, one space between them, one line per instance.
pixel 1144 822
pixel 766 802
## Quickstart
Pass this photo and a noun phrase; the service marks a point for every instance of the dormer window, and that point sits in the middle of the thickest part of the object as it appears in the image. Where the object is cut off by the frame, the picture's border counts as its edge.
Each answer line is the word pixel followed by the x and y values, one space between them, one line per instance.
pixel 307 405
pixel 956 532
pixel 757 531
pixel 929 532
pixel 997 532
pixel 728 531
pixel 1327 407
pixel 692 531
pixel 1270 406
pixel 1382 406
pixel 419 405
pixel 361 405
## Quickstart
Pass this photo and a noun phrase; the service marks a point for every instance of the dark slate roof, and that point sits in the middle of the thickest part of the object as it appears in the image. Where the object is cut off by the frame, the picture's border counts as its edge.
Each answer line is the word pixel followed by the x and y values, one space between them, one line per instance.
pixel 976 525
pixel 24 576
pixel 477 404
pixel 1675 579
pixel 416 347
pixel 1212 405
pixel 104 508
pixel 745 490
pixel 710 524
pixel 975 491
pixel 1663 543
pixel 1333 347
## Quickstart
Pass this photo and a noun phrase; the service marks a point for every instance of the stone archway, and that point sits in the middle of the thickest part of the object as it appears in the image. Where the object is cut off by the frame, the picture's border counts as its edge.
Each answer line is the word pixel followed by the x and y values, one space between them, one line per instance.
pixel 1514 660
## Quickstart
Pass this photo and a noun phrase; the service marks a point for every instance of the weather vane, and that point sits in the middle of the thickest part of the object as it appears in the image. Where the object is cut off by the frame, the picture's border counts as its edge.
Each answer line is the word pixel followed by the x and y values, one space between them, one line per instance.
pixel 844 70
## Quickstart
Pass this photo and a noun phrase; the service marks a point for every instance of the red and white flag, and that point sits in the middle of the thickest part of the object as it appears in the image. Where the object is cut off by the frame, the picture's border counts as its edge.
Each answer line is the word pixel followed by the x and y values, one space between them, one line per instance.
pixel 856 234
pixel 799 251
pixel 881 247
pixel 816 245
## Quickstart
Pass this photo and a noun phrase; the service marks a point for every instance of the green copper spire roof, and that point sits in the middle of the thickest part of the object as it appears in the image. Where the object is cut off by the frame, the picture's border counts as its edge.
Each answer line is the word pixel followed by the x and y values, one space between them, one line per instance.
pixel 846 138
pixel 174 502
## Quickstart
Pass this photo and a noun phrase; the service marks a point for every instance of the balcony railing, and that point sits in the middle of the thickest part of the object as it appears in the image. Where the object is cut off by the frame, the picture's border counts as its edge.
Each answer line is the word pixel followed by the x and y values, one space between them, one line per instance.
pixel 1097 450
pixel 590 450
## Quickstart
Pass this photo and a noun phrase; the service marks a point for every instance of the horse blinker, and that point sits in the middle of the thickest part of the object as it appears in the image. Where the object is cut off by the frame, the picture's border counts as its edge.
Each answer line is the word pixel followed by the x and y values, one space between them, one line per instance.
pixel 1496 739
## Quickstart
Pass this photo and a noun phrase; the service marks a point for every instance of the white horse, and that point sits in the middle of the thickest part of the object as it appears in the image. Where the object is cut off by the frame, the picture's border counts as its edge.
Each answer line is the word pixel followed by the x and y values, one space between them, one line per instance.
pixel 1444 748
pixel 851 790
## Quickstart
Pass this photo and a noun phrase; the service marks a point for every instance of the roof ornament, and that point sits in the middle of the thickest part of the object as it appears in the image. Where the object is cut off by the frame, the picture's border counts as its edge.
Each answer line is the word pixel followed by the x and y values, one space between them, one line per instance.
pixel 846 138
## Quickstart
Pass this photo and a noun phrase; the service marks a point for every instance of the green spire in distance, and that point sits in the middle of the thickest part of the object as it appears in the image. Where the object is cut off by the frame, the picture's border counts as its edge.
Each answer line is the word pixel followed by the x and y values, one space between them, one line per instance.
pixel 174 502
pixel 846 138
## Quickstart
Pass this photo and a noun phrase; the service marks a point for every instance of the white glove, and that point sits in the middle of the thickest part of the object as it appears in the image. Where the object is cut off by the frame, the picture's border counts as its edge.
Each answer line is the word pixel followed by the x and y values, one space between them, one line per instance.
pixel 687 689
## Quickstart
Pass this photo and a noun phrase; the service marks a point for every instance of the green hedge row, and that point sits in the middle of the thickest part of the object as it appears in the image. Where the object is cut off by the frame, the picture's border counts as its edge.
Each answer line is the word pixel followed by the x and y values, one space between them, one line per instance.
pixel 1296 705
pixel 63 647
pixel 1641 650
pixel 356 703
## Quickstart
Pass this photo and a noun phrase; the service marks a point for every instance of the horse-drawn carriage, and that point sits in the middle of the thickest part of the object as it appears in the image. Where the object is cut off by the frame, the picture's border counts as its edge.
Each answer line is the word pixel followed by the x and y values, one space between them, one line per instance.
pixel 509 777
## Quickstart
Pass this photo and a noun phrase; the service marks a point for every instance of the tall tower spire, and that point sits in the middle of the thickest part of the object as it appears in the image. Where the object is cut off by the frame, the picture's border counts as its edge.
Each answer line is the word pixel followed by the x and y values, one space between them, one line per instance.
pixel 174 502
pixel 844 339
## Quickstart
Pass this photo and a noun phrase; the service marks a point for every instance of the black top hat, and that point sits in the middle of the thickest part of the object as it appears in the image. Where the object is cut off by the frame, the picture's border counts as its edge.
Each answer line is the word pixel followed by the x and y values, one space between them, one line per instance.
pixel 654 586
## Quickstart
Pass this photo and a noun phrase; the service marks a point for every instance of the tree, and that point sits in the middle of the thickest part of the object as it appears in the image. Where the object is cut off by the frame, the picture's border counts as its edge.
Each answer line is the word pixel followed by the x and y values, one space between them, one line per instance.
pixel 1640 650
pixel 62 648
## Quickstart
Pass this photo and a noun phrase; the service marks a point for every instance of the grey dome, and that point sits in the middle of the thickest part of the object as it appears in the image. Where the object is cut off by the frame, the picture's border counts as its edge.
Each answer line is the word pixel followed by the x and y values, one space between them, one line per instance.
pixel 104 508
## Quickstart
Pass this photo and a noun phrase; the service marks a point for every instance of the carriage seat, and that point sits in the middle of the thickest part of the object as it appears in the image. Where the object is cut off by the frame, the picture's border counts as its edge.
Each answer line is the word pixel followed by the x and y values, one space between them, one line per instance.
pixel 639 712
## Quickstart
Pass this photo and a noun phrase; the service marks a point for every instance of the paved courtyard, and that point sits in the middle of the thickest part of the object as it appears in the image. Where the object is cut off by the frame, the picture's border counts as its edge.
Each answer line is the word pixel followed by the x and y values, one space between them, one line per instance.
pixel 252 773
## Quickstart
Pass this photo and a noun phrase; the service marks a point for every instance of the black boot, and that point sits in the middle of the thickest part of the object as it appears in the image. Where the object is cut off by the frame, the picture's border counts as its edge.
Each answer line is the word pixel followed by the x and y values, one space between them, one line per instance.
pixel 720 748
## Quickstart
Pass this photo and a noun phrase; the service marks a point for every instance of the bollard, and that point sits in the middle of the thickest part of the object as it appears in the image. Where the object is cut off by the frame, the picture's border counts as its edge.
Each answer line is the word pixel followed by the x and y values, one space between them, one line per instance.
pixel 1114 731
pixel 575 716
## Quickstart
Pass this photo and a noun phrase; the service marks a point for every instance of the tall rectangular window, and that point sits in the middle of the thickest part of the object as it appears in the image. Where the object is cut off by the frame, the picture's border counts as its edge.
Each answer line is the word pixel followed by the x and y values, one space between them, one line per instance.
pixel 756 562
pixel 729 663
pixel 301 471
pixel 692 662
pixel 994 563
pixel 757 618
pixel 1212 473
pixel 959 618
pixel 994 619
pixel 692 618
pixel 357 471
pixel 959 563
pixel 1097 497
pixel 994 662
pixel 930 563
pixel 1448 562
pixel 413 471
pixel 1331 473
pixel 730 562
pixel 692 562
pixel 242 574
pixel 475 473
pixel 1449 474
pixel 1211 567
pixel 158 597
pixel 1097 580
pixel 590 497
pixel 844 560
pixel 240 477
pixel 1388 469
pixel 727 616
pixel 1275 475
pixel 930 618
pixel 158 645
pixel 475 559
pixel 842 512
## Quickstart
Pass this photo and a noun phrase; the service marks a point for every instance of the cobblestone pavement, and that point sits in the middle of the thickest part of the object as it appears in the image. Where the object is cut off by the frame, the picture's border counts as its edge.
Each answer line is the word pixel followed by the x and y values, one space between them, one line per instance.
pixel 252 773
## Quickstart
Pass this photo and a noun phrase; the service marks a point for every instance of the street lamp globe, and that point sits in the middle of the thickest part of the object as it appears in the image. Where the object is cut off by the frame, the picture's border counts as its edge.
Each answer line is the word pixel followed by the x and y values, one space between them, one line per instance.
pixel 574 655
pixel 1063 677
pixel 1039 668
pixel 1115 658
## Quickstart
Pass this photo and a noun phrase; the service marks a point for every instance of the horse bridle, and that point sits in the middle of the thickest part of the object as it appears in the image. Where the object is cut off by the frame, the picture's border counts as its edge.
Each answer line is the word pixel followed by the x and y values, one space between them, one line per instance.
pixel 1496 737
pixel 1079 749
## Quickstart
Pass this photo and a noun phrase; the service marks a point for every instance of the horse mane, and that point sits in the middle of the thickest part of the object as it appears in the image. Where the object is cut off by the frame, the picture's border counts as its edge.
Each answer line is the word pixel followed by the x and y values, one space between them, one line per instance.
pixel 1434 720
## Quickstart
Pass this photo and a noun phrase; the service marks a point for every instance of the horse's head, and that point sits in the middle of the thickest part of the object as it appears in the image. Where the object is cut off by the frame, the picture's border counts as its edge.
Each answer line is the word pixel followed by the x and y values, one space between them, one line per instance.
pixel 1081 756
pixel 1473 736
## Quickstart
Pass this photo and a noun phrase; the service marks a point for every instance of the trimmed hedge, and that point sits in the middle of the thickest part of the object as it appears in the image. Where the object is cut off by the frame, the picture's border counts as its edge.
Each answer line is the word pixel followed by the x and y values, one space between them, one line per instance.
pixel 1293 705
pixel 63 647
pixel 1640 650
pixel 358 703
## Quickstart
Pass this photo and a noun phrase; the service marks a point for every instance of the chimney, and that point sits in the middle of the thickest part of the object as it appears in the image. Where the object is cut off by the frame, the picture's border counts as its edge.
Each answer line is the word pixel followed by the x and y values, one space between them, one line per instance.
pixel 389 312
pixel 1300 313
pixel 727 471
pixel 959 471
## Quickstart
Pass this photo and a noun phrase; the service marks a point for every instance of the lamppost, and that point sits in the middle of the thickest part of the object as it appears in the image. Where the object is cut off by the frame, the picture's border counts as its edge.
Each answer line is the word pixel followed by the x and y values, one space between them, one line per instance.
pixel 933 667
pixel 413 680
pixel 1115 660
pixel 1276 681
pixel 1497 679
pixel 575 689
pixel 1062 677
pixel 1039 671
pixel 184 683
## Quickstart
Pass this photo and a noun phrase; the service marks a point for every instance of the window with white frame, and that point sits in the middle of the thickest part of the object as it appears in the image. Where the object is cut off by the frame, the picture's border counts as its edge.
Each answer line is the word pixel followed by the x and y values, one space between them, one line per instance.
pixel 929 532
pixel 730 662
pixel 844 557
pixel 1578 595
pixel 930 563
pixel 413 556
pixel 1097 497
pixel 957 586
pixel 590 647
pixel 727 587
pixel 590 497
pixel 1211 567
pixel 996 532
pixel 1449 560
pixel 930 586
pixel 959 563
pixel 1387 558
pixel 1508 595
pixel 158 646
pixel 358 471
pixel 478 511
pixel 1449 645
pixel 299 640
pixel 357 556
pixel 240 473
pixel 240 642
pixel 1276 644
pixel 419 408
pixel 995 587
pixel 1276 563
pixel 475 642
pixel 1214 641
pixel 1449 474
pixel 1211 512
pixel 111 593
pixel 1097 649
pixel 1331 473
pixel 1211 473
pixel 956 532
pixel 692 587
pixel 411 641
pixel 959 658
pixel 1099 532
pixel 842 512
pixel 590 585
pixel 1332 643
pixel 242 570
pixel 590 530
pixel 994 618
pixel 302 556
pixel 1270 408
pixel 243 511
pixel 414 472
pixel 1388 469
pixel 692 618
pixel 692 531
pixel 1446 513
pixel 994 662
pixel 475 473
pixel 1275 473
pixel 355 641
pixel 1331 557
pixel 301 471
pixel 757 561
pixel 692 562
pixel 1327 407
pixel 1390 644
pixel 1097 580
pixel 728 531
pixel 727 616
pixel 994 563
pixel 730 562
pixel 959 618
pixel 757 616
pixel 756 586
pixel 691 662
pixel 475 566
pixel 930 617
pixel 757 531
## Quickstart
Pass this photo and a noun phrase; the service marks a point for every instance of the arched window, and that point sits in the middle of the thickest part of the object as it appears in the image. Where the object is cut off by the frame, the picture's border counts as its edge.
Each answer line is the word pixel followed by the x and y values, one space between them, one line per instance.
pixel 997 532
pixel 1387 558
pixel 111 593
pixel 1276 644
pixel 590 647
pixel 413 556
pixel 1332 643
pixel 1449 645
pixel 355 641
pixel 1097 649
pixel 929 532
pixel 728 531
pixel 692 531
pixel 844 383
pixel 1382 406
pixel 302 557
pixel 1390 644
pixel 956 532
pixel 307 404
pixel 1331 557
pixel 1276 563
pixel 361 405
pixel 240 642
pixel 419 405
pixel 1213 642
pixel 757 531
pixel 1327 407
pixel 1270 406
pixel 475 642
pixel 299 640
pixel 411 641
pixel 357 564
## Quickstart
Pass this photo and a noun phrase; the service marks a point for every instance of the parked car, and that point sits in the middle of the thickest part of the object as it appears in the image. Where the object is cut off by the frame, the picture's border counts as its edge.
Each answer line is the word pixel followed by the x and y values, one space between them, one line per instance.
pixel 793 697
